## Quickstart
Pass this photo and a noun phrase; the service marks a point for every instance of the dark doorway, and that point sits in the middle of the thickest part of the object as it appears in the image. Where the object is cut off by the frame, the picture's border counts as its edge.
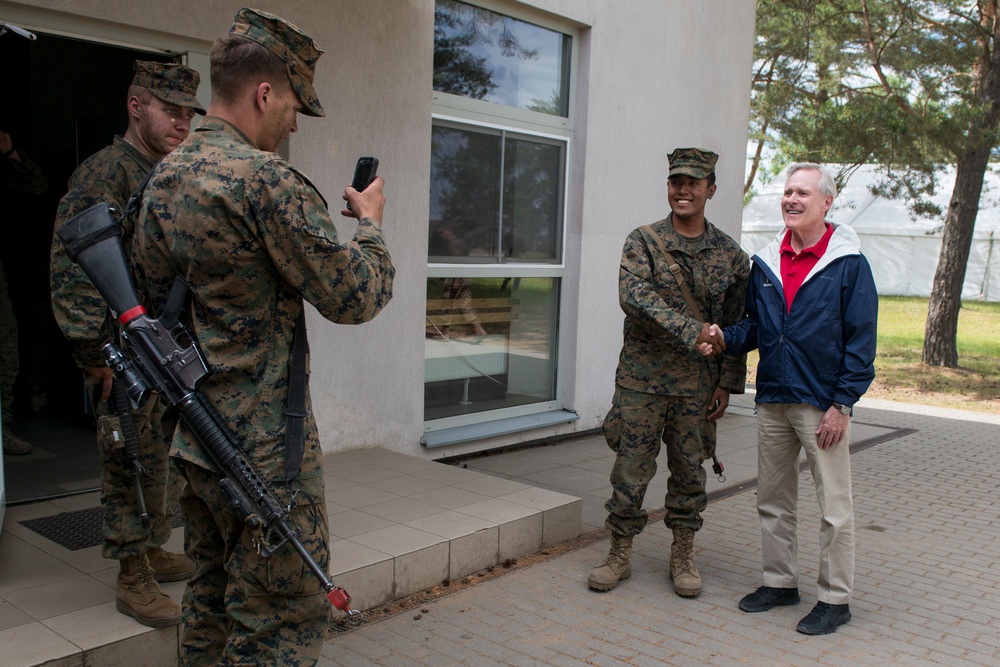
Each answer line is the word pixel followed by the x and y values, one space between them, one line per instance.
pixel 64 99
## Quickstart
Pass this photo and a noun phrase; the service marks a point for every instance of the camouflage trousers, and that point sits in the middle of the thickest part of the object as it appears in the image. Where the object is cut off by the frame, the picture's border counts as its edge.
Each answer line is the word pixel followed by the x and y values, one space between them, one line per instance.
pixel 460 292
pixel 241 608
pixel 123 532
pixel 8 351
pixel 634 428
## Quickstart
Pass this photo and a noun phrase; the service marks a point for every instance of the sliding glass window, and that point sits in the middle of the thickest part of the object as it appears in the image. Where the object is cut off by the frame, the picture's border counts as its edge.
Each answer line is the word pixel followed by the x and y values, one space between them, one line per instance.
pixel 497 215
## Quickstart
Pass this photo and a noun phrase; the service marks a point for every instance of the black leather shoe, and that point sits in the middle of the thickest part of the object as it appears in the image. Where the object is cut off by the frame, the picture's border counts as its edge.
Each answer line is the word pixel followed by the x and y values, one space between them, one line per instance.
pixel 824 619
pixel 766 597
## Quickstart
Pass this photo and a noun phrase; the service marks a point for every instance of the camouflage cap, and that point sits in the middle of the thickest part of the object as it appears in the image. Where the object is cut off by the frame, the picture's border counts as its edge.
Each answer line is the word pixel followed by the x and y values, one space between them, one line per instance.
pixel 694 162
pixel 170 82
pixel 295 48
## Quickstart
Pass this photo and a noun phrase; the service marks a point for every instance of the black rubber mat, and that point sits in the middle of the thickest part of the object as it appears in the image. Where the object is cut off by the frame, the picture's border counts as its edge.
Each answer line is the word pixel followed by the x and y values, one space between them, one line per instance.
pixel 76 530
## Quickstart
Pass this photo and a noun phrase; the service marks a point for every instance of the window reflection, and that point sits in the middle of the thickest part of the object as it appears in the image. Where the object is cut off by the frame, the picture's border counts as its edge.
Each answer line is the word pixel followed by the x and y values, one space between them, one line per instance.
pixel 496 198
pixel 468 198
pixel 488 56
pixel 490 344
pixel 532 199
pixel 465 194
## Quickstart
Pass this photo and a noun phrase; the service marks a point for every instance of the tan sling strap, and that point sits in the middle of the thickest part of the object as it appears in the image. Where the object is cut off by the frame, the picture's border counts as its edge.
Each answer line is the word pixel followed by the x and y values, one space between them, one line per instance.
pixel 675 269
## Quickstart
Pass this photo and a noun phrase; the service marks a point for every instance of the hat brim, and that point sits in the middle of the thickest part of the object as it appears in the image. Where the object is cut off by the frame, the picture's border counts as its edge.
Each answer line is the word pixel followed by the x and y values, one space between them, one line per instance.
pixel 310 103
pixel 689 171
pixel 306 93
pixel 180 99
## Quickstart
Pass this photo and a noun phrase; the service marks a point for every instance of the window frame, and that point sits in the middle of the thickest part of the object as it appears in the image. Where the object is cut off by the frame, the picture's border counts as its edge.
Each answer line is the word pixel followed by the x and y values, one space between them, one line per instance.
pixel 491 112
pixel 461 112
pixel 504 132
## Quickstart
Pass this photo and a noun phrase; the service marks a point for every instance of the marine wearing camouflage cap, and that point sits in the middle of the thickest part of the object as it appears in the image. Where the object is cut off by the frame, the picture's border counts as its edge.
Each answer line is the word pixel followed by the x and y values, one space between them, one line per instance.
pixel 254 242
pixel 170 82
pixel 111 175
pixel 694 162
pixel 673 274
pixel 295 48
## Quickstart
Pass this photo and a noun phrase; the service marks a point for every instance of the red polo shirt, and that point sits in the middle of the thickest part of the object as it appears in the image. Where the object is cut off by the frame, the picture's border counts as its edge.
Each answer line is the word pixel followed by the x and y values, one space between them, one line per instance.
pixel 795 267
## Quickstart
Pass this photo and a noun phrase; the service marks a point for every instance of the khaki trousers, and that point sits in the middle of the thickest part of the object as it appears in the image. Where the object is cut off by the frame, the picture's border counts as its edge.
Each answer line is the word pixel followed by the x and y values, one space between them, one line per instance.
pixel 784 430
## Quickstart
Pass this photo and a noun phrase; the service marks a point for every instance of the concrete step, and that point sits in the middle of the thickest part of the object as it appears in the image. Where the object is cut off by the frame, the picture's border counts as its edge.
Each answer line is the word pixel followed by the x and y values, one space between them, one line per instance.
pixel 399 524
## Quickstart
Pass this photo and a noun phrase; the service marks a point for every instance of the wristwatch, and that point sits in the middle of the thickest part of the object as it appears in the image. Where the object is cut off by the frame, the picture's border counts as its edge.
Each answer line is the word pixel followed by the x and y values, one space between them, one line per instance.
pixel 844 409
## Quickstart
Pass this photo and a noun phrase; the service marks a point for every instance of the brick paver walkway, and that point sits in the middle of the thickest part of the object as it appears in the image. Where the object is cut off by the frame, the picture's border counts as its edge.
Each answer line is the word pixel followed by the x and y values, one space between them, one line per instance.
pixel 927 584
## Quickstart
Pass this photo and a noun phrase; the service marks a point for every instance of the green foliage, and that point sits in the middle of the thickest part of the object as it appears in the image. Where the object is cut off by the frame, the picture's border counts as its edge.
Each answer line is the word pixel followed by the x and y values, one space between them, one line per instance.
pixel 552 106
pixel 907 85
pixel 457 28
pixel 890 82
pixel 457 71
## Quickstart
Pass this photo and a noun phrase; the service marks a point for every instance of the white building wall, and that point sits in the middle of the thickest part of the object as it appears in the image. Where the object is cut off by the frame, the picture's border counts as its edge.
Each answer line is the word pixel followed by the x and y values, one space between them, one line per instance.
pixel 663 75
pixel 652 75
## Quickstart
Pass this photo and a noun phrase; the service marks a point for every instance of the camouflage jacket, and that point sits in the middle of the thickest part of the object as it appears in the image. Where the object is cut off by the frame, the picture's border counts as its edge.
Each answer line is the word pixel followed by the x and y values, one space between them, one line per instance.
pixel 253 238
pixel 112 174
pixel 21 178
pixel 657 355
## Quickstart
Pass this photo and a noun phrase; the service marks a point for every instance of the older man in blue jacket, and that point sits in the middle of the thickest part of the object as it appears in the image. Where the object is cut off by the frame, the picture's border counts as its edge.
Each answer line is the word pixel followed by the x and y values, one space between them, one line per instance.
pixel 811 311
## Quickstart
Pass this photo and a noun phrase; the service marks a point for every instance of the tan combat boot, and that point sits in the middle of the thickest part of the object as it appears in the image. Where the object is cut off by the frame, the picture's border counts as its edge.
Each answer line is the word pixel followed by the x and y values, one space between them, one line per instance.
pixel 684 574
pixel 140 597
pixel 169 566
pixel 615 567
pixel 13 445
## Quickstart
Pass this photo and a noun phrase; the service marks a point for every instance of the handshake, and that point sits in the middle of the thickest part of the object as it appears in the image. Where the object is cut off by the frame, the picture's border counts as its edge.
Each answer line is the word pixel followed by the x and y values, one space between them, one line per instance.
pixel 710 340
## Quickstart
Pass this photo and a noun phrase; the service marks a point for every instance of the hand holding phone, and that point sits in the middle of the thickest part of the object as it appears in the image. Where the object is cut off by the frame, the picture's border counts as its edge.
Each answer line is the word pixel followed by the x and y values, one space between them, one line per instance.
pixel 364 174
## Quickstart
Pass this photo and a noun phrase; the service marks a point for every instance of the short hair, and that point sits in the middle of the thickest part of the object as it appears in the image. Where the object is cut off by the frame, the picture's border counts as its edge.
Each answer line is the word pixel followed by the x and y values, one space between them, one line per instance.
pixel 827 186
pixel 144 94
pixel 237 61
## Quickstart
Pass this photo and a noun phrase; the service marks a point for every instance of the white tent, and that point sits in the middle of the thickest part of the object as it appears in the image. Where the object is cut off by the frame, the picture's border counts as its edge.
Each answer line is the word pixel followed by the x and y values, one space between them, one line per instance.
pixel 902 251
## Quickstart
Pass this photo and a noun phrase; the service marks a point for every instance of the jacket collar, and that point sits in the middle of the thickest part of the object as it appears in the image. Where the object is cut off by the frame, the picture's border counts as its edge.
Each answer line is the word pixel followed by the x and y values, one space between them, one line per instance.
pixel 845 241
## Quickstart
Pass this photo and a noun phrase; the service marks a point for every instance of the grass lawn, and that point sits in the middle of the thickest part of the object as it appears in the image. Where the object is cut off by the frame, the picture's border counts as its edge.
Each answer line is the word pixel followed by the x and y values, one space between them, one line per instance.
pixel 899 375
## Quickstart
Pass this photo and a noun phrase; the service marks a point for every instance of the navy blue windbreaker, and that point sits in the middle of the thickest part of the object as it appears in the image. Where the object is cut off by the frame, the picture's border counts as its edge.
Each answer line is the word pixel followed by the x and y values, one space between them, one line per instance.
pixel 823 351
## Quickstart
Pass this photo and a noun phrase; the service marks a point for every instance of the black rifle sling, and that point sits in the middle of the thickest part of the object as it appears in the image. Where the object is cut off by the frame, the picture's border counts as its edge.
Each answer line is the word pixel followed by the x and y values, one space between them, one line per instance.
pixel 675 269
pixel 295 410
pixel 136 198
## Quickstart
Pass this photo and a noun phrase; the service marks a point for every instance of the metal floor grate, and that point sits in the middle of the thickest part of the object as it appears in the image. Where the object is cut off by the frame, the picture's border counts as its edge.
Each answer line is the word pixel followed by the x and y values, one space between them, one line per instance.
pixel 77 530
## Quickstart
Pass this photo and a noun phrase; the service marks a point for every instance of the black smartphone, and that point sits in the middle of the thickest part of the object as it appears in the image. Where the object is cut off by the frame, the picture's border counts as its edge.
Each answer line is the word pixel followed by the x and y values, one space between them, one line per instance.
pixel 364 174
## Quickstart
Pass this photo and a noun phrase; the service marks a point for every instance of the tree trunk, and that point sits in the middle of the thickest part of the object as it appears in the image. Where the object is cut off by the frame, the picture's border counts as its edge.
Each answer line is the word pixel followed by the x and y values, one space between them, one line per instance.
pixel 755 164
pixel 941 332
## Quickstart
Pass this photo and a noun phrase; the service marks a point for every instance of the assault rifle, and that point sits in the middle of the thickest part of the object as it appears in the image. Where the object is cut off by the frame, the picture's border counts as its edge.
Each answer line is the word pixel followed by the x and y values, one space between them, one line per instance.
pixel 159 361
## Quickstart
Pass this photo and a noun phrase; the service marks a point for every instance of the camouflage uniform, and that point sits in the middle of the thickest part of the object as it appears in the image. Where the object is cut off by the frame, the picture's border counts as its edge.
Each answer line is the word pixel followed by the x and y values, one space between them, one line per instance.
pixel 112 175
pixel 253 238
pixel 663 384
pixel 463 315
pixel 17 178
